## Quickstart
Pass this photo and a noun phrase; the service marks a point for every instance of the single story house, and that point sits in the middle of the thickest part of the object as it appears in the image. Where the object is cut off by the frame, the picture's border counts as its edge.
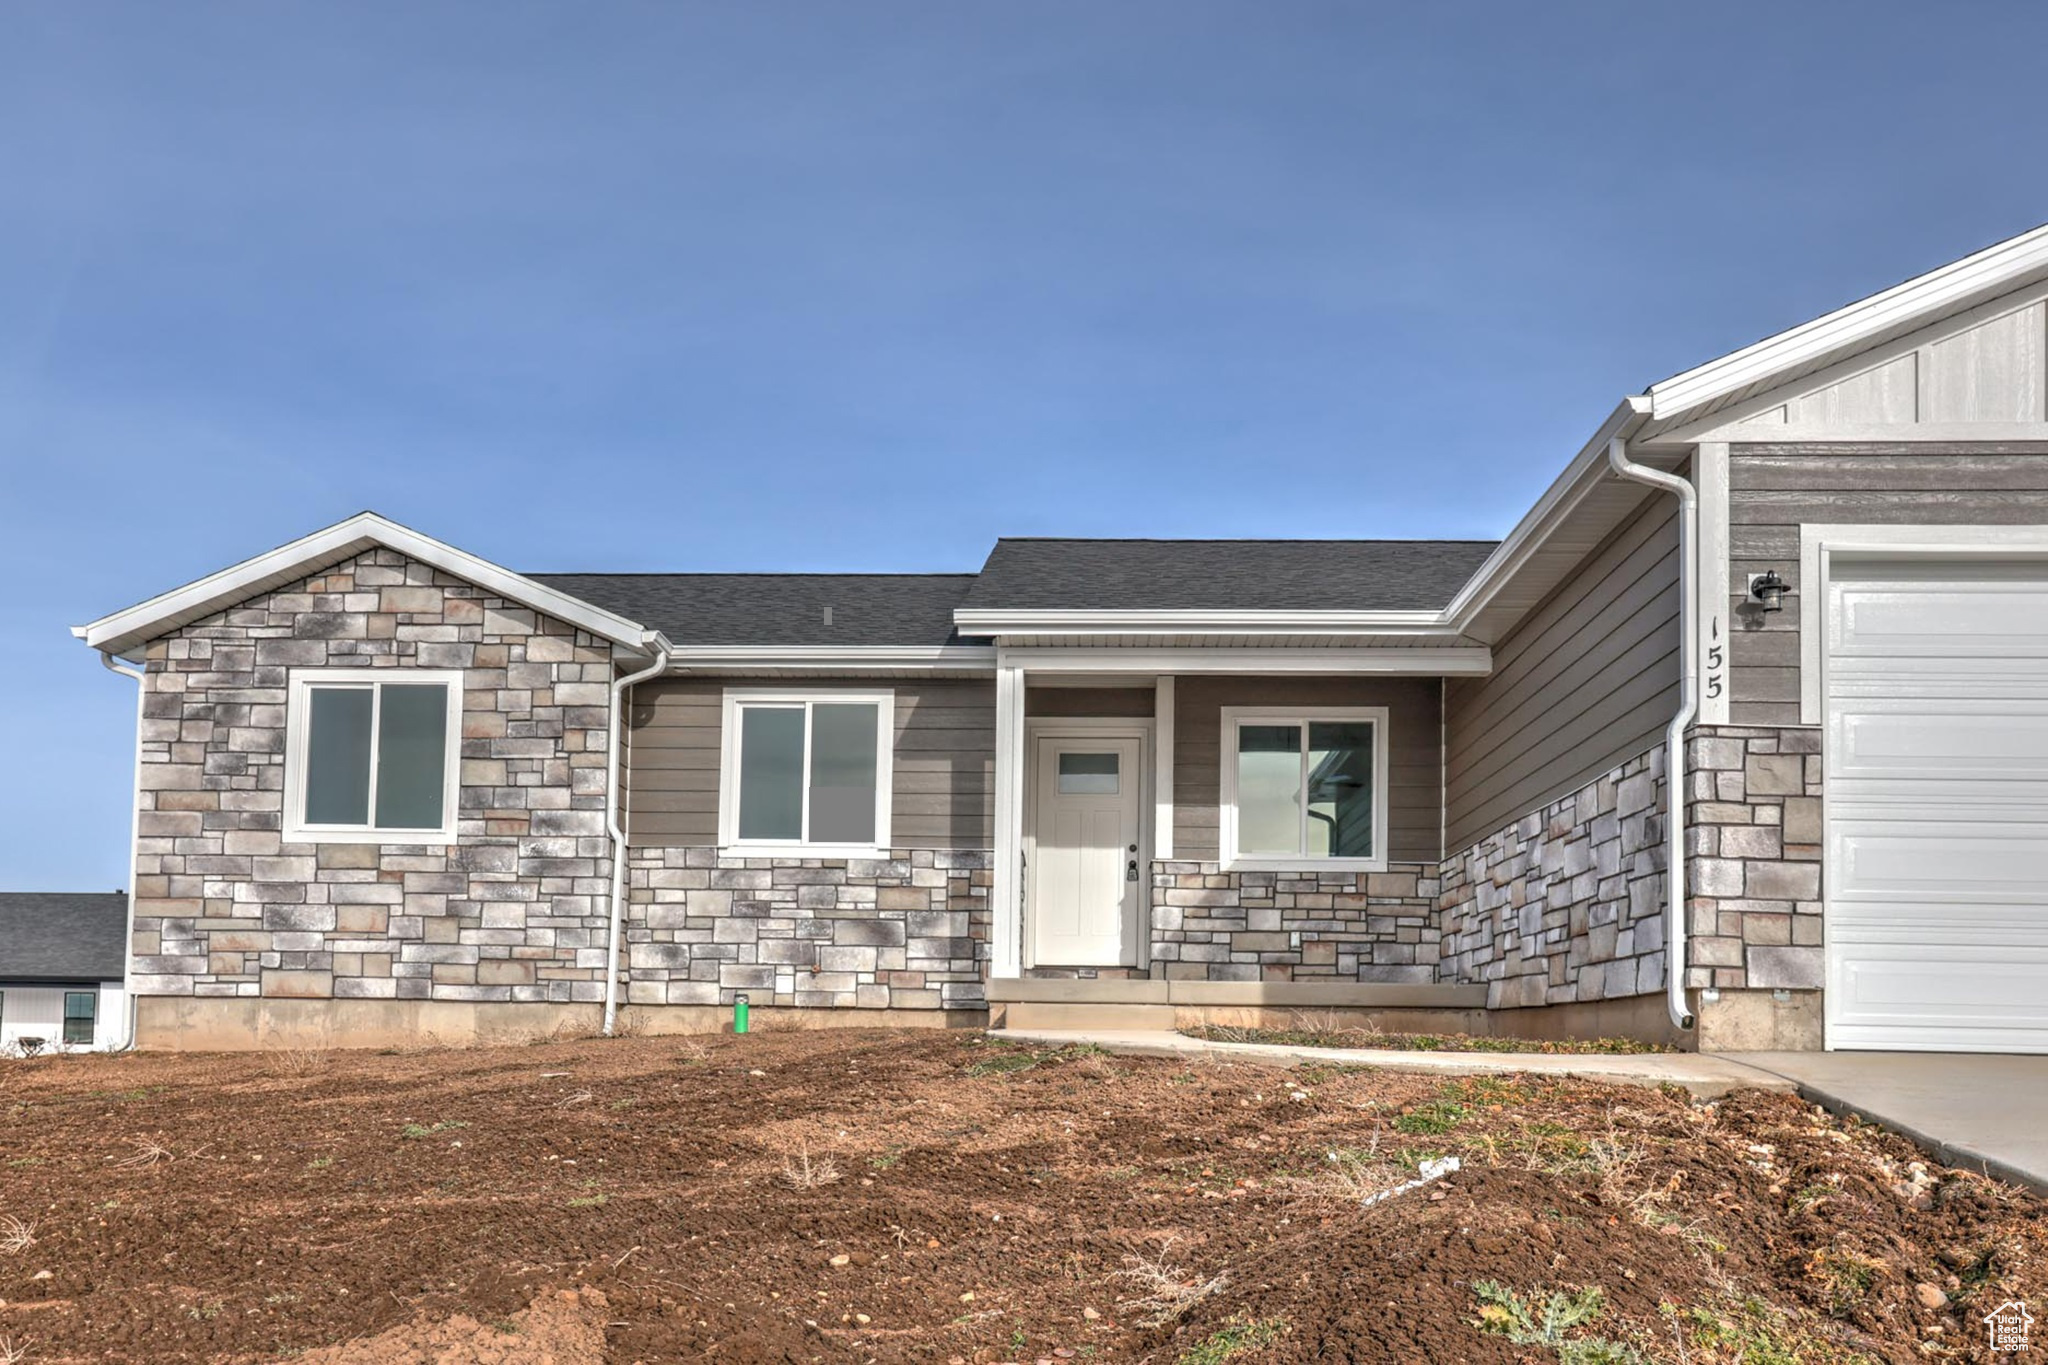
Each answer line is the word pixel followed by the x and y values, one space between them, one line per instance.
pixel 1739 736
pixel 63 959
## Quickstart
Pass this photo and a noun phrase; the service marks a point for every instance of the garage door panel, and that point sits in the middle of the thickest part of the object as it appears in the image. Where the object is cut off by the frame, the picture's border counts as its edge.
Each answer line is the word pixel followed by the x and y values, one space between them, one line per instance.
pixel 1896 739
pixel 1937 807
pixel 1927 859
pixel 1906 996
pixel 1994 610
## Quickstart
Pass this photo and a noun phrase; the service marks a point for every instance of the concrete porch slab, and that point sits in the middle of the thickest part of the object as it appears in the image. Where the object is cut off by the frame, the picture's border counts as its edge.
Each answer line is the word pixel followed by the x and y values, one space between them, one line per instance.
pixel 1705 1075
pixel 1985 1112
pixel 1249 994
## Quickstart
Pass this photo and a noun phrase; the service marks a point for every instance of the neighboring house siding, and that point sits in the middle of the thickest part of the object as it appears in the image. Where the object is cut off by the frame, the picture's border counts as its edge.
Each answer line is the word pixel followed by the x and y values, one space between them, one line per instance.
pixel 1775 489
pixel 1415 766
pixel 515 910
pixel 943 792
pixel 1586 681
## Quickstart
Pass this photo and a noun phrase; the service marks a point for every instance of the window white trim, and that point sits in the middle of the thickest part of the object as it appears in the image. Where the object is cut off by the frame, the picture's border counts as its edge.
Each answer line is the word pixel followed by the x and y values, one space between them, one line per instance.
pixel 1226 834
pixel 297 731
pixel 737 698
pixel 1820 544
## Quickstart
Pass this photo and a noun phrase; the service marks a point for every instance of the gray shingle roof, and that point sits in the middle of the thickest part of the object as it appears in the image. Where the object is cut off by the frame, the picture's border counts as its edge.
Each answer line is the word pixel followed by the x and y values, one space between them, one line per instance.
pixel 778 609
pixel 63 935
pixel 1225 575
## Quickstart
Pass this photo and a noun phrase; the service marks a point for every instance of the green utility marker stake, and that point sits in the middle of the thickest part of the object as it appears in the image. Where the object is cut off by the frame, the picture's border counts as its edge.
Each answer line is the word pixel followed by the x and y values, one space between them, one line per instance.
pixel 739 1013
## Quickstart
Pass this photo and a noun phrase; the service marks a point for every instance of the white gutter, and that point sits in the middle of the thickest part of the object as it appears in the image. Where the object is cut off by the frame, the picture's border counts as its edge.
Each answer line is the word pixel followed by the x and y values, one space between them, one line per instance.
pixel 616 827
pixel 134 853
pixel 1674 734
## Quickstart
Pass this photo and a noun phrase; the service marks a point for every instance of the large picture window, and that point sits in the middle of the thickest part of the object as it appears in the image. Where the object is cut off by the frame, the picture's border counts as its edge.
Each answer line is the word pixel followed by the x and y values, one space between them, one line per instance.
pixel 371 755
pixel 1304 788
pixel 806 770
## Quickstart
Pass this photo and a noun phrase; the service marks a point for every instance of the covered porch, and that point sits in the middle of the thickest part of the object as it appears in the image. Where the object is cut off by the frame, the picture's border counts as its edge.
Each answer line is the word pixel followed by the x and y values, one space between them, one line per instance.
pixel 1240 834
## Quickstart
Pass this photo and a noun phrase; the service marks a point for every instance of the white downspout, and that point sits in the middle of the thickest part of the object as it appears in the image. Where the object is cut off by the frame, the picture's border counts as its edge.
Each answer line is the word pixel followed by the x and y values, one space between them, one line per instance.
pixel 616 827
pixel 134 854
pixel 1674 735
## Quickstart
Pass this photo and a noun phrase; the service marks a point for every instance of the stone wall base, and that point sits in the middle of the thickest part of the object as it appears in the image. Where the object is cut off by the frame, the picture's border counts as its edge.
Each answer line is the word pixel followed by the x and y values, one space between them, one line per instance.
pixel 649 1020
pixel 243 1024
pixel 1761 1021
pixel 1642 1017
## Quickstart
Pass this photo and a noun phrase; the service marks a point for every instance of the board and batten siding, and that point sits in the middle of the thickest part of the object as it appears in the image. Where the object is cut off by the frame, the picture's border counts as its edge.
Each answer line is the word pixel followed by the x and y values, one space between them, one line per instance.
pixel 1774 489
pixel 1587 680
pixel 1415 755
pixel 942 795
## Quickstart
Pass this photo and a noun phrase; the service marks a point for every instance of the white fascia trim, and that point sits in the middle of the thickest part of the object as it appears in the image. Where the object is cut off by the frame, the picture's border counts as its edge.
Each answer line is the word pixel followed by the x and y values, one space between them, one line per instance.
pixel 125 630
pixel 1990 271
pixel 1820 545
pixel 1451 660
pixel 834 658
pixel 991 621
pixel 1586 472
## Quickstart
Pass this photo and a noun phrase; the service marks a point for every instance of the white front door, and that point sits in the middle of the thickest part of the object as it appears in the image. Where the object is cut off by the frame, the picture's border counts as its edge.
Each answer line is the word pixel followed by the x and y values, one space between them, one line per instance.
pixel 1936 794
pixel 1085 872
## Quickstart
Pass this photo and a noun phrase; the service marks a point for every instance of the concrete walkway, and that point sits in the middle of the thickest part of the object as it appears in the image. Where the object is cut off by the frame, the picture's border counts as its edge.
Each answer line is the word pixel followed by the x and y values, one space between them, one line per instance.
pixel 1705 1075
pixel 1981 1111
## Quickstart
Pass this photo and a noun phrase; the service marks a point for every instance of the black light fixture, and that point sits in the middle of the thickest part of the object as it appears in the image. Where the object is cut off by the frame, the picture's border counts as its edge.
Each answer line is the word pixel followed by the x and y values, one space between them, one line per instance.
pixel 1769 589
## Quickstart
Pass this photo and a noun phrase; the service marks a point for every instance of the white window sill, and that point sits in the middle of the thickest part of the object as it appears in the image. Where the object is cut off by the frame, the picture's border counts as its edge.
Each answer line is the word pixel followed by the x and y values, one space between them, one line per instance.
pixel 416 837
pixel 802 851
pixel 1267 864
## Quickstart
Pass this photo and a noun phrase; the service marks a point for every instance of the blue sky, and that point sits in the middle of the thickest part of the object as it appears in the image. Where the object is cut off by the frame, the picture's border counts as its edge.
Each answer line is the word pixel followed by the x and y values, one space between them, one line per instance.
pixel 862 286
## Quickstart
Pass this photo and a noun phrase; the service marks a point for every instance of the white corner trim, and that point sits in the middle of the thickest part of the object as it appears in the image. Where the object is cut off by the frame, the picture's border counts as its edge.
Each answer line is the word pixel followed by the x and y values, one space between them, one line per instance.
pixel 1226 806
pixel 125 630
pixel 1712 610
pixel 729 841
pixel 1821 545
pixel 1162 775
pixel 298 732
pixel 1992 270
pixel 1006 891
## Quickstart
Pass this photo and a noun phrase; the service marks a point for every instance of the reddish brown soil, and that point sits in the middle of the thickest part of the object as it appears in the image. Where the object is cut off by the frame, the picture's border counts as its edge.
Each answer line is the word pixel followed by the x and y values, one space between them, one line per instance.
pixel 981 1213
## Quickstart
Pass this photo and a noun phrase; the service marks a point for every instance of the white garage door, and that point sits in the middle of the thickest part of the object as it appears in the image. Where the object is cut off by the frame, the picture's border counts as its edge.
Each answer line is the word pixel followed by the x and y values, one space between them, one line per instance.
pixel 1937 806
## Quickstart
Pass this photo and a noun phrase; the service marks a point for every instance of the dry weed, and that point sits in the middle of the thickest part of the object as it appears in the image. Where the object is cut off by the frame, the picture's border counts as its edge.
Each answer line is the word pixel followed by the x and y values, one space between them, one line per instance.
pixel 299 1061
pixel 16 1236
pixel 148 1151
pixel 802 1173
pixel 1166 1290
pixel 580 1097
pixel 13 1352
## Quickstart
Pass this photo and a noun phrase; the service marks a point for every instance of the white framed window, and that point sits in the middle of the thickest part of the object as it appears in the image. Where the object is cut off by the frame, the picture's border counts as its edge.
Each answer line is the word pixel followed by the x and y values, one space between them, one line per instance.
pixel 1304 789
pixel 806 771
pixel 371 755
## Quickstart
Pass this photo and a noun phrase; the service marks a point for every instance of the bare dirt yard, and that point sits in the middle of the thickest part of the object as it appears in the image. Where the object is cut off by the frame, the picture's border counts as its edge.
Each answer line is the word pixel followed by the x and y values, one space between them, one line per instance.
pixel 942 1198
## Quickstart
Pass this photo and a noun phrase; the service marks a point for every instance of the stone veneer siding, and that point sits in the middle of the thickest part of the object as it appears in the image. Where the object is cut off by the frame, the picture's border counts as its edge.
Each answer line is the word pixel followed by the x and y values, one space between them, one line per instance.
pixel 909 931
pixel 1566 904
pixel 1753 825
pixel 514 911
pixel 1209 924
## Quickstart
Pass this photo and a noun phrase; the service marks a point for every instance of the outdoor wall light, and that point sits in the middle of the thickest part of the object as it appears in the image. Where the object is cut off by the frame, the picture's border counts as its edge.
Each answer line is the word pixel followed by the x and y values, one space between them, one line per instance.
pixel 1769 589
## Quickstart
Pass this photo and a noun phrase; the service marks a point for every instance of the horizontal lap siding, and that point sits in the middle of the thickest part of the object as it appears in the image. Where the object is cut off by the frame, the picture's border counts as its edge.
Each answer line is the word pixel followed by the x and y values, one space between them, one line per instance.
pixel 1775 489
pixel 1586 681
pixel 1415 757
pixel 944 760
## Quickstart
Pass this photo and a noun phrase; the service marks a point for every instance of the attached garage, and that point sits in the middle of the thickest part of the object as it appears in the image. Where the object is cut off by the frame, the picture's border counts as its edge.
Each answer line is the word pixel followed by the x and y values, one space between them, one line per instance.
pixel 1935 682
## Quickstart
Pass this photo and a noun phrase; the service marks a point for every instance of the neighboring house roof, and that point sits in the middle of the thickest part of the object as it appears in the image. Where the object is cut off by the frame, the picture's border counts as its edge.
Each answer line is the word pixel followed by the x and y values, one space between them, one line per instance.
pixel 1031 574
pixel 125 632
pixel 63 935
pixel 823 609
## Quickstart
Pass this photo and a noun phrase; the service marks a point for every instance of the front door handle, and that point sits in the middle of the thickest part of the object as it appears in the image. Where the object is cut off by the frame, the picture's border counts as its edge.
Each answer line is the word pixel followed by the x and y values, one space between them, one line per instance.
pixel 1131 872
